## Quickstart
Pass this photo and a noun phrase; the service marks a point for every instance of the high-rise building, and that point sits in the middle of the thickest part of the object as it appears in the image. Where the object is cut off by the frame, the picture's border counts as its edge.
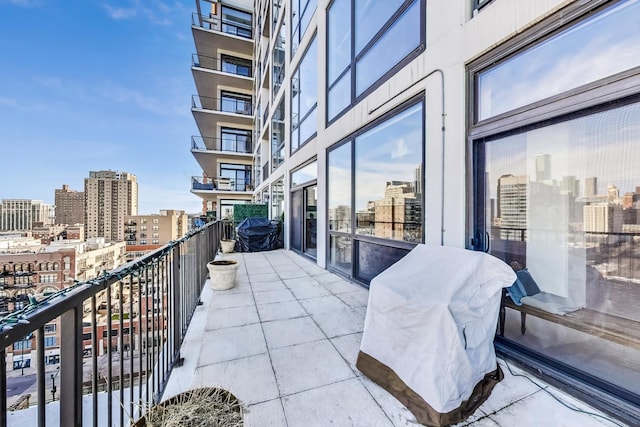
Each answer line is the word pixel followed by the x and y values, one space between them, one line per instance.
pixel 69 206
pixel 543 167
pixel 109 197
pixel 223 108
pixel 590 186
pixel 24 214
pixel 144 233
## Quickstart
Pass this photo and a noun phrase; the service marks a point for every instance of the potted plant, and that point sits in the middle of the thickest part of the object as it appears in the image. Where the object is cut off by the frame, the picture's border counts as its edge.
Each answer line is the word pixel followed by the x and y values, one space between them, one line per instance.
pixel 213 407
pixel 222 274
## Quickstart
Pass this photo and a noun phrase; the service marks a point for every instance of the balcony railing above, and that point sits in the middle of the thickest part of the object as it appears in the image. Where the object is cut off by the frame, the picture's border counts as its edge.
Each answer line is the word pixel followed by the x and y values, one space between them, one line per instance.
pixel 226 65
pixel 225 105
pixel 216 24
pixel 199 183
pixel 228 144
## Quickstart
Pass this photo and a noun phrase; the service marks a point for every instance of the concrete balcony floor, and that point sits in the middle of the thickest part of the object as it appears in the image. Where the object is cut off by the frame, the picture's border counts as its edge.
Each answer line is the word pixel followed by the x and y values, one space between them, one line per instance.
pixel 285 341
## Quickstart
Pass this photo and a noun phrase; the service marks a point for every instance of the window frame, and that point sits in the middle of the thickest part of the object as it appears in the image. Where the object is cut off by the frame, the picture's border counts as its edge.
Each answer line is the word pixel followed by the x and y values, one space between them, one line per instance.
pixel 351 67
pixel 314 108
pixel 420 98
pixel 602 95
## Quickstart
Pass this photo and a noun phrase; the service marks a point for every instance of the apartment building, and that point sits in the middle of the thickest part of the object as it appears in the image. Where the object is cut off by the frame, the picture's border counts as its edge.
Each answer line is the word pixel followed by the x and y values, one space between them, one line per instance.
pixel 109 197
pixel 495 102
pixel 144 233
pixel 222 69
pixel 24 214
pixel 69 206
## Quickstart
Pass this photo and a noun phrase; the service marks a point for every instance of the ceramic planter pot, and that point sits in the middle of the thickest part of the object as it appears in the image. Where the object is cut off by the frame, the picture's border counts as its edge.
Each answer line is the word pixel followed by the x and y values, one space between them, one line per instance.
pixel 228 246
pixel 222 274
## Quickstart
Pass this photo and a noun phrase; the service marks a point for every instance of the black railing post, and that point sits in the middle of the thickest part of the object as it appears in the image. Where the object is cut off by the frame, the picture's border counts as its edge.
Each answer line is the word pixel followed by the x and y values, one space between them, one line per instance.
pixel 71 368
pixel 176 305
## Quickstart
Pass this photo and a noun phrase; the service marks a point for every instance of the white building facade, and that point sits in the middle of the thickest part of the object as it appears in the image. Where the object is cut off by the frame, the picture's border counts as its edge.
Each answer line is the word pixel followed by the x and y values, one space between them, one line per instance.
pixel 446 98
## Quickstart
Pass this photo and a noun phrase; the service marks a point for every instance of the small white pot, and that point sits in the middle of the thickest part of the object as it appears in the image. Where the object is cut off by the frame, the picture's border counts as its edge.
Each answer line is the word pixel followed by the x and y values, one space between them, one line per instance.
pixel 222 274
pixel 228 246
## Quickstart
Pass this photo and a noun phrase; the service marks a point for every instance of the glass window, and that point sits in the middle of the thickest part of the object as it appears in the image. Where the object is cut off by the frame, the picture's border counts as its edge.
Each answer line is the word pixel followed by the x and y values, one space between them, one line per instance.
pixel 301 13
pixel 388 171
pixel 605 44
pixel 236 22
pixel 384 35
pixel 236 140
pixel 562 200
pixel 338 38
pixel 238 66
pixel 304 98
pixel 277 199
pixel 380 185
pixel 375 14
pixel 398 41
pixel 340 185
pixel 237 103
pixel 50 341
pixel 304 174
pixel 278 61
pixel 234 177
pixel 277 136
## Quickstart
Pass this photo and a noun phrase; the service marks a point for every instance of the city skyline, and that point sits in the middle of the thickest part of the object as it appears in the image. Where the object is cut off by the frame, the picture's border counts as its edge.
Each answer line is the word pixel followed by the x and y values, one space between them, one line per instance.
pixel 89 85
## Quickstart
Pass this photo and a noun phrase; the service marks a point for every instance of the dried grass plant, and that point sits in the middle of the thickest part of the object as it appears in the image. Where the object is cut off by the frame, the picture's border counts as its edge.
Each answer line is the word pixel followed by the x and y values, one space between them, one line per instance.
pixel 210 407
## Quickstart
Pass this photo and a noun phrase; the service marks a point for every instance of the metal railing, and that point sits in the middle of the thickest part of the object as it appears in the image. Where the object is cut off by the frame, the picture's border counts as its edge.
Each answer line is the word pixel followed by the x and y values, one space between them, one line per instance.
pixel 199 183
pixel 226 105
pixel 227 143
pixel 216 24
pixel 226 65
pixel 126 327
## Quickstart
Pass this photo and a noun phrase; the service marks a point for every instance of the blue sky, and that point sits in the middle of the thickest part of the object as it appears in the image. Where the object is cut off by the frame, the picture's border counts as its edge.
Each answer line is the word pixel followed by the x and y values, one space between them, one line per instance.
pixel 92 85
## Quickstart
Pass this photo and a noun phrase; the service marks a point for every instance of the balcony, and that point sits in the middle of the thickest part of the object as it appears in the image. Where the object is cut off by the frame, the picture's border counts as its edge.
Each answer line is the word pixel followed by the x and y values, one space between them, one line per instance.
pixel 224 185
pixel 284 341
pixel 209 73
pixel 211 32
pixel 229 110
pixel 224 145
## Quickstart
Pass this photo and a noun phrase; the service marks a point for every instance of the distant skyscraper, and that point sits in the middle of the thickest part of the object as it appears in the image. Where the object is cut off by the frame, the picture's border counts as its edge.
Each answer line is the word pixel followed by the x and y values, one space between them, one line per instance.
pixel 23 214
pixel 570 185
pixel 543 167
pixel 109 197
pixel 591 186
pixel 69 206
pixel 513 206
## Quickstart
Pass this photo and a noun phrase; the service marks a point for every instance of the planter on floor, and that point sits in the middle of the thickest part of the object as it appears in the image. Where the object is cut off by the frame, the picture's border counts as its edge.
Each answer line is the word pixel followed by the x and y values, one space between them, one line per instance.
pixel 227 245
pixel 222 274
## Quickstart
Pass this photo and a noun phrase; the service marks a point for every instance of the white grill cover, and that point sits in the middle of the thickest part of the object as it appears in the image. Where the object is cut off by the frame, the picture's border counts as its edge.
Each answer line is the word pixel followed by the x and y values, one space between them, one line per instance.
pixel 431 318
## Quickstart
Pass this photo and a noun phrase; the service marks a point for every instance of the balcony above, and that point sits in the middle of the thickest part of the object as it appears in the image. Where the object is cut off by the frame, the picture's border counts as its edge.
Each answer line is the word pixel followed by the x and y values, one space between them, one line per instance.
pixel 209 73
pixel 220 185
pixel 230 110
pixel 211 32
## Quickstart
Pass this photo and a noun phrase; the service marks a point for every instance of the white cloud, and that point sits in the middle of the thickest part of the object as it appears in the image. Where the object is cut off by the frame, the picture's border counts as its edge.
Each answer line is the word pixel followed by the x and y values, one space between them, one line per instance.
pixel 21 3
pixel 160 13
pixel 119 13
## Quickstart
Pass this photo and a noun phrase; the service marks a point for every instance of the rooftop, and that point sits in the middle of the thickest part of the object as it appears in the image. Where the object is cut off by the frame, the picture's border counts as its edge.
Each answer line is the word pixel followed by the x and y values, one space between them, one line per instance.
pixel 284 340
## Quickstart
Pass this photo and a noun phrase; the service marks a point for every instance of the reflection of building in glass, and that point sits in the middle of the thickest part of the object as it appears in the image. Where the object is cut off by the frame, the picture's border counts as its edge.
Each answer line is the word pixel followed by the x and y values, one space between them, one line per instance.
pixel 591 186
pixel 602 218
pixel 512 206
pixel 398 215
pixel 340 218
pixel 543 167
pixel 570 185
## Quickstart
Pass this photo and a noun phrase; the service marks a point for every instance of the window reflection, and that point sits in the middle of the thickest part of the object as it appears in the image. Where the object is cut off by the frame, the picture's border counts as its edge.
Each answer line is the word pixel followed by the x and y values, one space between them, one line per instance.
pixel 388 170
pixel 277 136
pixel 384 178
pixel 304 98
pixel 394 25
pixel 339 176
pixel 277 199
pixel 301 13
pixel 563 201
pixel 605 44
pixel 305 174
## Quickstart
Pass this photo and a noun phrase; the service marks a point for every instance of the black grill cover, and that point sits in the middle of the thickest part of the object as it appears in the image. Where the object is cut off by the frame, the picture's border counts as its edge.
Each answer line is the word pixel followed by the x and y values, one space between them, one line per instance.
pixel 257 234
